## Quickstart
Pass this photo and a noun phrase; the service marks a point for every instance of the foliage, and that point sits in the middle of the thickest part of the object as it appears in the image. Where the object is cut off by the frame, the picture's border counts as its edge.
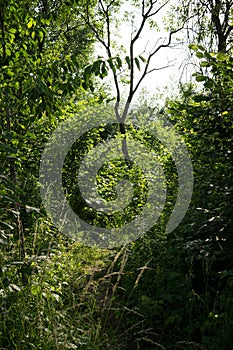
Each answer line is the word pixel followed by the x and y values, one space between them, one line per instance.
pixel 185 291
pixel 44 47
pixel 161 291
pixel 210 23
pixel 39 72
pixel 56 310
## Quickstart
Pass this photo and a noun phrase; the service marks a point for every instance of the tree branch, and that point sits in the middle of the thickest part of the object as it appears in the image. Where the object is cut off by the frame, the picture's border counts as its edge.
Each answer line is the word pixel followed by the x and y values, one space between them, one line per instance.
pixel 159 9
pixel 155 69
pixel 107 45
pixel 153 53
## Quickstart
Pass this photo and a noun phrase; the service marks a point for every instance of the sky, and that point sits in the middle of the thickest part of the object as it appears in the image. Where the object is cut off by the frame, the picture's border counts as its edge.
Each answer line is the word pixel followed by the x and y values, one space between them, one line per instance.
pixel 164 82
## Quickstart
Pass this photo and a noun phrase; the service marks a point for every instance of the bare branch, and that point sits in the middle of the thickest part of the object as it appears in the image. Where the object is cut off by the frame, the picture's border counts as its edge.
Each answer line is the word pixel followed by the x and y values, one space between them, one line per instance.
pixel 153 53
pixel 145 16
pixel 110 53
pixel 160 68
pixel 159 9
pixel 107 45
pixel 110 4
pixel 143 7
pixel 92 27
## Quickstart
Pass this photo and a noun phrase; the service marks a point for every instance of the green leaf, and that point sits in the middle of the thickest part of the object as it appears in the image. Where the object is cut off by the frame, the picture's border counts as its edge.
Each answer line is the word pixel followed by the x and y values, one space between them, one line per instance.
pixel 128 61
pixel 221 57
pixel 193 47
pixel 199 54
pixel 200 78
pixel 41 35
pixel 96 67
pixel 8 52
pixel 142 59
pixel 119 62
pixel 137 63
pixel 30 23
pixel 201 48
pixel 84 85
pixel 12 30
pixel 111 64
pixel 205 64
pixel 87 73
pixel 104 70
pixel 209 83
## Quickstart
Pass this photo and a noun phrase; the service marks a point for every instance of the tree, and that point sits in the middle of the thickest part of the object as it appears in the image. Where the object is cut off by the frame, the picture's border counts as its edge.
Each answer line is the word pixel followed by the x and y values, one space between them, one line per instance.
pixel 106 14
pixel 186 280
pixel 44 45
pixel 210 24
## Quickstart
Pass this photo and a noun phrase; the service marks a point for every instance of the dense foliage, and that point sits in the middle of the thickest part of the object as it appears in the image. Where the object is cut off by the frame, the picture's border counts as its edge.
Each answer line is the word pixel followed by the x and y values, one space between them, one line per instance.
pixel 163 290
pixel 185 293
